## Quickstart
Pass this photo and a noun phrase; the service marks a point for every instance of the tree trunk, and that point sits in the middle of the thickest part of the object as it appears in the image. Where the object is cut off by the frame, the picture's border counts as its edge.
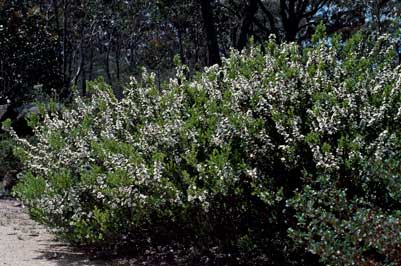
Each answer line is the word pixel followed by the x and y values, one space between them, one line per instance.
pixel 91 61
pixel 66 56
pixel 118 58
pixel 180 43
pixel 290 19
pixel 82 54
pixel 250 12
pixel 211 34
pixel 59 33
pixel 107 62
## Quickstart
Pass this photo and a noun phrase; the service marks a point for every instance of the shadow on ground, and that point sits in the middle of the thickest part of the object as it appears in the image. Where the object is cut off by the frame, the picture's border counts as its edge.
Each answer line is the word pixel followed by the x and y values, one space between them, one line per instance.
pixel 63 255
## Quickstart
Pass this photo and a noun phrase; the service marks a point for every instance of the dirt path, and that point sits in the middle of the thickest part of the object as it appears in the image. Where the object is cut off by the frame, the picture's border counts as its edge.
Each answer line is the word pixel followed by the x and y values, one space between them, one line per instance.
pixel 25 243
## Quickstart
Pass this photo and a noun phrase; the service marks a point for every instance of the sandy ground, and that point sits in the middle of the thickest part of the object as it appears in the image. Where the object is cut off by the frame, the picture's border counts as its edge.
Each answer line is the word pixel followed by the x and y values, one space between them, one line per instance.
pixel 25 243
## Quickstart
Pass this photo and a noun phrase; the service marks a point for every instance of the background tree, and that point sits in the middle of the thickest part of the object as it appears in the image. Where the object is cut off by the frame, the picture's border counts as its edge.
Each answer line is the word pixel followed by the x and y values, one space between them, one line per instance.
pixel 70 42
pixel 28 54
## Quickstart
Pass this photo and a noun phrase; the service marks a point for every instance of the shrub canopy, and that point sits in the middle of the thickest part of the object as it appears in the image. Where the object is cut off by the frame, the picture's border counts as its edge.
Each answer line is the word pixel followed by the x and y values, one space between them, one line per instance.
pixel 284 152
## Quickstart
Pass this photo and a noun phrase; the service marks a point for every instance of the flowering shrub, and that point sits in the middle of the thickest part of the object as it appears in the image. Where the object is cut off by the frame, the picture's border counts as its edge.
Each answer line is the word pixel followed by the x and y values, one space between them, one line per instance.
pixel 282 150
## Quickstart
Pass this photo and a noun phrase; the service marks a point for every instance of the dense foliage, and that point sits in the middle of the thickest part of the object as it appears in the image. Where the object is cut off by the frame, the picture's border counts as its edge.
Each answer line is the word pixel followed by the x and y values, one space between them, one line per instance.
pixel 282 153
pixel 9 163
